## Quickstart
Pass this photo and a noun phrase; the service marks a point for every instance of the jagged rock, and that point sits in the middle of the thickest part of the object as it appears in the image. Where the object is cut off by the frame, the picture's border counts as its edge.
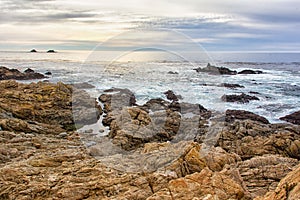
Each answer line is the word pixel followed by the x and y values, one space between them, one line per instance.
pixel 261 174
pixel 249 71
pixel 249 139
pixel 28 70
pixel 216 70
pixel 202 185
pixel 116 99
pixel 232 115
pixel 293 118
pixel 6 74
pixel 287 189
pixel 242 98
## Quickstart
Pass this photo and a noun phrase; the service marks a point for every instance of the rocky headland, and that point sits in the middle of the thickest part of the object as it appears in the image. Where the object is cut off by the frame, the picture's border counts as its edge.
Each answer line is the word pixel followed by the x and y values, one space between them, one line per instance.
pixel 164 149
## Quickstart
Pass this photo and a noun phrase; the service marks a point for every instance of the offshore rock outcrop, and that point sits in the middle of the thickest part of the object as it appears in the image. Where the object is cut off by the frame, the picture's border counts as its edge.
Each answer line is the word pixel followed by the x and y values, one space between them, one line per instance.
pixel 7 74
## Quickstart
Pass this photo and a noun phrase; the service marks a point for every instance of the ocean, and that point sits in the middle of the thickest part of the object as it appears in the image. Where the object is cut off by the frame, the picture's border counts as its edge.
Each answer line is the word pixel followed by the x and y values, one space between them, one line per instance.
pixel 150 73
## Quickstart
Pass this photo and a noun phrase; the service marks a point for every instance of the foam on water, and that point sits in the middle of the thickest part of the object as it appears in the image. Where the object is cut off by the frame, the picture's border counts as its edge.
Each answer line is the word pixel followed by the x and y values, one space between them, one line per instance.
pixel 278 88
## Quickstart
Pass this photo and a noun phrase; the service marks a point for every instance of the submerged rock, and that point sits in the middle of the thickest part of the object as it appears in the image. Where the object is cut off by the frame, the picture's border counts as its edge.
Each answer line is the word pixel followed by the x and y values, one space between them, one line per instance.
pixel 293 118
pixel 242 98
pixel 250 71
pixel 231 85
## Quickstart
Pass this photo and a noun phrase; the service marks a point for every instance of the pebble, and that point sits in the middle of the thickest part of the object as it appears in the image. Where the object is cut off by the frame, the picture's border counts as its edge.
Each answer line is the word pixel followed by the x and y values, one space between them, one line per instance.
pixel 63 135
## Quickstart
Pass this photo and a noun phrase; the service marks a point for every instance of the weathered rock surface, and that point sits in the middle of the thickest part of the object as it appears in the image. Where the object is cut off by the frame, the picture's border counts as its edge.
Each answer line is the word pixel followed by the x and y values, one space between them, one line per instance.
pixel 151 152
pixel 6 74
pixel 158 120
pixel 293 118
pixel 262 174
pixel 249 139
pixel 232 115
pixel 287 189
pixel 242 98
pixel 47 103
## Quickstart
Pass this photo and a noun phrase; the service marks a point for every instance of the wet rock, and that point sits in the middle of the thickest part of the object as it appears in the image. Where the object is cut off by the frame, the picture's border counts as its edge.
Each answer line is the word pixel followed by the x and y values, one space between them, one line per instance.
pixel 293 118
pixel 249 71
pixel 242 98
pixel 231 85
pixel 171 95
pixel 33 51
pixel 232 115
pixel 216 70
pixel 6 74
pixel 170 72
pixel 48 73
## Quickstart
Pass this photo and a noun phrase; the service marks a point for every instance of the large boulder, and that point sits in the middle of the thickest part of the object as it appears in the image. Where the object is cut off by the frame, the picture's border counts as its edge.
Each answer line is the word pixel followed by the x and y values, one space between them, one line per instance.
pixel 56 104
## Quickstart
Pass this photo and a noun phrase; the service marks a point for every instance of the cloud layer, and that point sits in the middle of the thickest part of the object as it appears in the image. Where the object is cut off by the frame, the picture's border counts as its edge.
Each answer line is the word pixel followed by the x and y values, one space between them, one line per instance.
pixel 271 25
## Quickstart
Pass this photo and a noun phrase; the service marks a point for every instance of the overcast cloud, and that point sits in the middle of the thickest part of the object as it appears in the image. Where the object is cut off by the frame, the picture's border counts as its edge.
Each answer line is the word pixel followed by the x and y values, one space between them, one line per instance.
pixel 230 25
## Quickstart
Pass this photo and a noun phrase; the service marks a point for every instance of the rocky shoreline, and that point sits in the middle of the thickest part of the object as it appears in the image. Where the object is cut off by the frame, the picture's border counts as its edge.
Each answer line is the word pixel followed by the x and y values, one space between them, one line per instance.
pixel 164 149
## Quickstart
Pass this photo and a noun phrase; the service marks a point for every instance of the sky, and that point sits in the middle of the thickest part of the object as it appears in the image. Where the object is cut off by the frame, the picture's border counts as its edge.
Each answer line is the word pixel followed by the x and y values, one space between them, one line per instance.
pixel 227 25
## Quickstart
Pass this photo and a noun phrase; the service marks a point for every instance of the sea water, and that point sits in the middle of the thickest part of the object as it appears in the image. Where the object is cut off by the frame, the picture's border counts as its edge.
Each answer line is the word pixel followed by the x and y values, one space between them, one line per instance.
pixel 149 74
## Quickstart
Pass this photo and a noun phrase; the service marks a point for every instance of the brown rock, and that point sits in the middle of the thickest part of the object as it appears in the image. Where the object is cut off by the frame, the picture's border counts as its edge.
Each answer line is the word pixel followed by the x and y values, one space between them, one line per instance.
pixel 202 185
pixel 261 174
pixel 287 189
pixel 249 139
pixel 48 103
